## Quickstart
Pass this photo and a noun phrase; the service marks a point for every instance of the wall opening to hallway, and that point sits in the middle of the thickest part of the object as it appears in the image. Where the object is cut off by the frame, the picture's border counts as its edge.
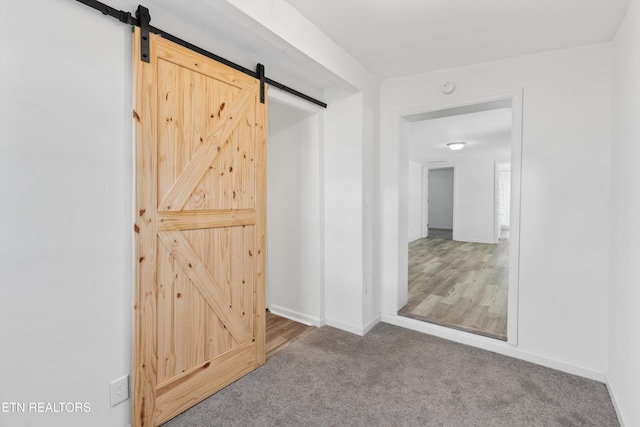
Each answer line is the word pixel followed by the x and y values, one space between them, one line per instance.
pixel 439 287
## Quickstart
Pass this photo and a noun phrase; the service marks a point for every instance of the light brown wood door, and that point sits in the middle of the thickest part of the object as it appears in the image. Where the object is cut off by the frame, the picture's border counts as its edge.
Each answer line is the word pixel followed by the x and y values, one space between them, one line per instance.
pixel 200 229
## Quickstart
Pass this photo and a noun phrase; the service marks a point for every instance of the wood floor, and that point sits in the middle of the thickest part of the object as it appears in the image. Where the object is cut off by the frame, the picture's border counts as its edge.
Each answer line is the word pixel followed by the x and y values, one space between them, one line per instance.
pixel 281 332
pixel 459 284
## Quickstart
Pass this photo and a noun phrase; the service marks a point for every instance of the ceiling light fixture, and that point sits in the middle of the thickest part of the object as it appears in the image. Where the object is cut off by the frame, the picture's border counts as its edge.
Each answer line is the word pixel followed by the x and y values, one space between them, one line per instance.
pixel 457 145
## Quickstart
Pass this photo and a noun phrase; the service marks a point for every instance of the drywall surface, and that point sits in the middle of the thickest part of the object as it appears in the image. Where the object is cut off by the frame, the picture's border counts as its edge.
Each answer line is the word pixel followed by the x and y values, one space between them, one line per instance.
pixel 370 137
pixel 564 231
pixel 623 369
pixel 343 210
pixel 293 214
pixel 66 221
pixel 474 217
pixel 441 198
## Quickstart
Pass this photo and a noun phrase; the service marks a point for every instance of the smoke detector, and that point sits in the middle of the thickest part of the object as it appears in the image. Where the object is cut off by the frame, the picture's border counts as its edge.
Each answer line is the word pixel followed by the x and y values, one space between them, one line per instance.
pixel 448 87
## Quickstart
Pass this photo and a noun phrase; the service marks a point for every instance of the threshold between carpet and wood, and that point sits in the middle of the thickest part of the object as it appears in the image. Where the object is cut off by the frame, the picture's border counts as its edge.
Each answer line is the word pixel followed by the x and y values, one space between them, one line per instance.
pixel 280 332
pixel 397 377
pixel 459 284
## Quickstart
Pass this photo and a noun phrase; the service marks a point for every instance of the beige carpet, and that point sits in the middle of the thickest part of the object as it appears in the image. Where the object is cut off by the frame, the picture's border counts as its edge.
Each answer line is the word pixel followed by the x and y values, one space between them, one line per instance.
pixel 397 377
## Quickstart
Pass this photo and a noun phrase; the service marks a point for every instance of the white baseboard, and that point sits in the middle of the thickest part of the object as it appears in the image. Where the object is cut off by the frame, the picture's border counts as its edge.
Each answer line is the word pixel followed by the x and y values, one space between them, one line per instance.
pixel 490 344
pixel 358 330
pixel 462 239
pixel 369 326
pixel 297 316
pixel 612 394
pixel 361 331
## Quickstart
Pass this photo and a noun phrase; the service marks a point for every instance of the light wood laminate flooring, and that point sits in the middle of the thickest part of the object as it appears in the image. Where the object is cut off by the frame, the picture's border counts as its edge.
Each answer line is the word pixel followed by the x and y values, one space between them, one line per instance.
pixel 280 332
pixel 459 284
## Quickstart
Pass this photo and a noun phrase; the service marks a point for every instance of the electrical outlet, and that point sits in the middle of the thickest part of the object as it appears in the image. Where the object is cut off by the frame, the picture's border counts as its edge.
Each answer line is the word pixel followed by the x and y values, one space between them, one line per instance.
pixel 119 390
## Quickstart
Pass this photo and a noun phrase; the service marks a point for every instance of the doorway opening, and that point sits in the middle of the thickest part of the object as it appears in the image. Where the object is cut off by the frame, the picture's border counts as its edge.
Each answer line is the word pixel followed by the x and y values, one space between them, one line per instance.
pixel 438 196
pixel 461 268
pixel 294 287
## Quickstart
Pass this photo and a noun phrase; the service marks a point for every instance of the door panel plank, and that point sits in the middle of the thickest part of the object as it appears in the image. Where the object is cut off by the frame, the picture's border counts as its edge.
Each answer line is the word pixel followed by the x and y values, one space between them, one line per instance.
pixel 166 343
pixel 190 220
pixel 181 318
pixel 259 274
pixel 144 362
pixel 248 274
pixel 190 60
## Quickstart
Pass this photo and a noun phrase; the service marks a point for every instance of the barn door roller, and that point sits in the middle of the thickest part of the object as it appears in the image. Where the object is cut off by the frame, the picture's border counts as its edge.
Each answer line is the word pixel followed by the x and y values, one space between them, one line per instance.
pixel 144 18
pixel 260 72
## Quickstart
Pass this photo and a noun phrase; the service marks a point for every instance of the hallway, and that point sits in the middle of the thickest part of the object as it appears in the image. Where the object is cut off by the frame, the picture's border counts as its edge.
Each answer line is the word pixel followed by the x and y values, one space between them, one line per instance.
pixel 459 284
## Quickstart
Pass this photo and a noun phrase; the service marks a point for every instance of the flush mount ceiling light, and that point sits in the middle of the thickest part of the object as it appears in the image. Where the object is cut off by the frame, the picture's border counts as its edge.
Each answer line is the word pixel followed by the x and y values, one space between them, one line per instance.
pixel 457 145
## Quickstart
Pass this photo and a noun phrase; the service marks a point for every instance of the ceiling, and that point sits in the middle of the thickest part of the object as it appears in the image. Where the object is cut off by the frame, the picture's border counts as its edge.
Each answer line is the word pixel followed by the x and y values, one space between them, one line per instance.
pixel 487 134
pixel 395 38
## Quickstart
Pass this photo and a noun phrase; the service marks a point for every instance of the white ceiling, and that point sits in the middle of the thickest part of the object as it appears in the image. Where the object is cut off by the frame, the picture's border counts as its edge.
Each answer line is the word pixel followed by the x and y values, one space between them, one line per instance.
pixel 487 134
pixel 393 37
pixel 400 37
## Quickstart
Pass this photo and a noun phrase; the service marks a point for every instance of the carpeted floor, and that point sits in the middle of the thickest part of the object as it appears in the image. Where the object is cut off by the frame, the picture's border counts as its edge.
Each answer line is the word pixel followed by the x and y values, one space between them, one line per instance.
pixel 397 377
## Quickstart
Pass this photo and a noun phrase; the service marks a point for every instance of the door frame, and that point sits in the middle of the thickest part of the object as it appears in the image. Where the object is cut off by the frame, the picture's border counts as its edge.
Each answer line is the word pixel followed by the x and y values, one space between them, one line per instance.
pixel 425 201
pixel 392 293
pixel 496 203
pixel 498 167
pixel 425 194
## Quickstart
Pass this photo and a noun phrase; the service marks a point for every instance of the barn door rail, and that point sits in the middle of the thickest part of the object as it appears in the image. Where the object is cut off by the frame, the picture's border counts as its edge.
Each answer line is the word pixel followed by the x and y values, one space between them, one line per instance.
pixel 142 20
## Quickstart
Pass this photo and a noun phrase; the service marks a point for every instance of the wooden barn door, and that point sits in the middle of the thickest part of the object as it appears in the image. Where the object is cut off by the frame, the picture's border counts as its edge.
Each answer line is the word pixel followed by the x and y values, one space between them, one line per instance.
pixel 200 229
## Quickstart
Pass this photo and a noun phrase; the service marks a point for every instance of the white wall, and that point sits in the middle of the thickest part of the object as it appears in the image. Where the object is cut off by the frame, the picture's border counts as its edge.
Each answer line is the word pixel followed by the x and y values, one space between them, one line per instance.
pixel 441 198
pixel 623 369
pixel 370 134
pixel 564 200
pixel 474 200
pixel 65 211
pixel 414 196
pixel 343 203
pixel 294 261
pixel 401 256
